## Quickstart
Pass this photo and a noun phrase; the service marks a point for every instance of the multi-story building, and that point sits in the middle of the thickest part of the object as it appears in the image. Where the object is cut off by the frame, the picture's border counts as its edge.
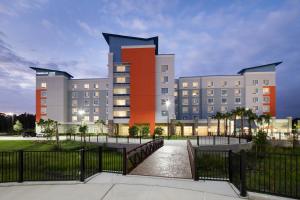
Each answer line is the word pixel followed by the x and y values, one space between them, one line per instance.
pixel 140 90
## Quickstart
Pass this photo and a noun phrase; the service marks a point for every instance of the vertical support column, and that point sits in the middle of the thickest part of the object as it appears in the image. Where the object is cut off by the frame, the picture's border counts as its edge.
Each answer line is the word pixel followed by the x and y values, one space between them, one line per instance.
pixel 82 165
pixel 243 191
pixel 196 178
pixel 230 165
pixel 100 159
pixel 21 166
pixel 197 140
pixel 214 140
pixel 124 161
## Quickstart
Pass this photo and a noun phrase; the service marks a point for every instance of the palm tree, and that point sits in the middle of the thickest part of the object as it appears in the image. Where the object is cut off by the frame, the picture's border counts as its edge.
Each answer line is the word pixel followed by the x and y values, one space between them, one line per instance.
pixel 267 119
pixel 227 116
pixel 100 123
pixel 241 113
pixel 178 123
pixel 251 116
pixel 260 121
pixel 218 117
pixel 234 114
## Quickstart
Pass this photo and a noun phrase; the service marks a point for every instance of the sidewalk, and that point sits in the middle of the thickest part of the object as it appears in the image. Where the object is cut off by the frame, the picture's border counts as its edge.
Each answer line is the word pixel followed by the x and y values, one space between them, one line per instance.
pixel 108 186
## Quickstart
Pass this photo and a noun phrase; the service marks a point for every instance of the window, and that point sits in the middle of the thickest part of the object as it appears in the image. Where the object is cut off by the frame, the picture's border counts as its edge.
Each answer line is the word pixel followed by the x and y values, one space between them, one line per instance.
pixel 175 85
pixel 120 91
pixel 74 94
pixel 185 84
pixel 86 118
pixel 255 82
pixel 74 102
pixel 195 101
pixel 255 99
pixel 266 90
pixel 43 102
pixel 237 83
pixel 185 109
pixel 163 102
pixel 164 68
pixel 121 79
pixel 96 86
pixel 74 110
pixel 255 109
pixel 266 99
pixel 224 100
pixel 96 94
pixel 195 93
pixel 74 118
pixel 120 113
pixel 210 109
pixel 86 94
pixel 185 101
pixel 43 85
pixel 86 110
pixel 86 102
pixel 43 94
pixel 96 110
pixel 237 100
pixel 175 94
pixel 164 90
pixel 86 86
pixel 266 82
pixel 195 84
pixel 96 118
pixel 224 83
pixel 164 113
pixel 210 100
pixel 224 92
pixel 96 102
pixel 266 108
pixel 165 79
pixel 210 92
pixel 121 68
pixel 74 86
pixel 210 84
pixel 120 102
pixel 195 109
pixel 224 109
pixel 237 92
pixel 44 110
pixel 255 91
pixel 185 93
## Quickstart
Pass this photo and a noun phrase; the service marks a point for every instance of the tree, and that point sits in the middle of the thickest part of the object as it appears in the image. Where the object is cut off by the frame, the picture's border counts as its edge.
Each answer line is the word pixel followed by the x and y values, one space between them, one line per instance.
pixel 50 128
pixel 260 140
pixel 178 123
pixel 145 130
pixel 251 116
pixel 234 114
pixel 267 119
pixel 241 113
pixel 158 131
pixel 18 126
pixel 133 131
pixel 227 116
pixel 83 128
pixel 218 117
pixel 100 123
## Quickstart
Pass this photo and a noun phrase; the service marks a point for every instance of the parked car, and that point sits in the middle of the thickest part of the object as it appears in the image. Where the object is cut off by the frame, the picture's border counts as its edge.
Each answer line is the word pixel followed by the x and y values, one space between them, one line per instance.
pixel 28 134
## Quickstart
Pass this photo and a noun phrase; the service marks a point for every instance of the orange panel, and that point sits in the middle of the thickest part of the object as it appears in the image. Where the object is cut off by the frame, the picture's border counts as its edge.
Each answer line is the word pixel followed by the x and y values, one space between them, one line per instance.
pixel 142 85
pixel 38 105
pixel 272 96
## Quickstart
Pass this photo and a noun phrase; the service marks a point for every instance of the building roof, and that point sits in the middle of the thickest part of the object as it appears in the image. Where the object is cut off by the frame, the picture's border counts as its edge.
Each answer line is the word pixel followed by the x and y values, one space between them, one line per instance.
pixel 108 35
pixel 37 69
pixel 266 67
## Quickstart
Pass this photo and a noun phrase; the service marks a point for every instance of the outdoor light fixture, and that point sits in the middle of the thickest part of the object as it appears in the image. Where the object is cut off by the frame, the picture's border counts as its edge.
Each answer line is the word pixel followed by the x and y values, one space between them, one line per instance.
pixel 80 112
pixel 168 103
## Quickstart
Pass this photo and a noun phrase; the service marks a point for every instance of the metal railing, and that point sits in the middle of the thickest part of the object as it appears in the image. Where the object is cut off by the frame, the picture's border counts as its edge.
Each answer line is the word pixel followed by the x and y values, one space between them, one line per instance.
pixel 137 155
pixel 19 166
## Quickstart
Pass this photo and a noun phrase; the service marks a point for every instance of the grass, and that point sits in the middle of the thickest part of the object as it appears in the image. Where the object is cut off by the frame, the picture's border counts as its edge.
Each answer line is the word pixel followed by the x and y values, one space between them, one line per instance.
pixel 42 160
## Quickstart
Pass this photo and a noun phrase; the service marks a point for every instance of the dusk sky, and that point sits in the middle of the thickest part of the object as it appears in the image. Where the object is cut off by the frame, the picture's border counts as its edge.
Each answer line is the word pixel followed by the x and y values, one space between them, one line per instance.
pixel 208 37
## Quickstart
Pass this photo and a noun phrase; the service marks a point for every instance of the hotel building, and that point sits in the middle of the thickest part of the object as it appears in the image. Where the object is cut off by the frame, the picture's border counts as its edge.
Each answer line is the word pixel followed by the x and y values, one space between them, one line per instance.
pixel 140 82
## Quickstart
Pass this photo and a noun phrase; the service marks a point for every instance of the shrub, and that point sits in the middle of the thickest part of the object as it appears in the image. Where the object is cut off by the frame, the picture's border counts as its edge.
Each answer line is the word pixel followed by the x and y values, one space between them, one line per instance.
pixel 145 130
pixel 261 138
pixel 133 131
pixel 158 131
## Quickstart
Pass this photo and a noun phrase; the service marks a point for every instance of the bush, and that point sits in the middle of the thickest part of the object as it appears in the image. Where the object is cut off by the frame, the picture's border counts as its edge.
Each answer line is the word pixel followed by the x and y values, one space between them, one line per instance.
pixel 261 138
pixel 158 131
pixel 145 130
pixel 133 131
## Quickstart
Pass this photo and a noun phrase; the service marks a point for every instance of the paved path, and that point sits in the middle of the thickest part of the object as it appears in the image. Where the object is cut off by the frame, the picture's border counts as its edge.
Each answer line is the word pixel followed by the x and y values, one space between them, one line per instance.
pixel 106 186
pixel 168 161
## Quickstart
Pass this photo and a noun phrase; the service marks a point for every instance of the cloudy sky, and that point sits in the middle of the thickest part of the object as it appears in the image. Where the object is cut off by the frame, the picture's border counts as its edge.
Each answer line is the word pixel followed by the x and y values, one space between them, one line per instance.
pixel 208 37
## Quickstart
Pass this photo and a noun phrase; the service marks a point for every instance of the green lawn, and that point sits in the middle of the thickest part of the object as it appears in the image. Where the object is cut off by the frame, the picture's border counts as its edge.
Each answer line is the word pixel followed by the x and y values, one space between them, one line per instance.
pixel 43 162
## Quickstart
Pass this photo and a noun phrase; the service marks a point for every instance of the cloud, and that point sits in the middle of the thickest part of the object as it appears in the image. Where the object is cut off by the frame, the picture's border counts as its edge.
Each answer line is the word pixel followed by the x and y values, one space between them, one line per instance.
pixel 16 7
pixel 47 24
pixel 88 29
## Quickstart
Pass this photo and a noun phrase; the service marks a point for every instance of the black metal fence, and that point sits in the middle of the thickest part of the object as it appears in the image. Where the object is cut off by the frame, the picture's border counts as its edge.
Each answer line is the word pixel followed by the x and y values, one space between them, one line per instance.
pixel 19 166
pixel 271 173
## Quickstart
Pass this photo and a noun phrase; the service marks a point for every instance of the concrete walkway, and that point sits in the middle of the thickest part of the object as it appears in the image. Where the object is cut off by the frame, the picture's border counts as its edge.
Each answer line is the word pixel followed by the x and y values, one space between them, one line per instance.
pixel 106 186
pixel 168 161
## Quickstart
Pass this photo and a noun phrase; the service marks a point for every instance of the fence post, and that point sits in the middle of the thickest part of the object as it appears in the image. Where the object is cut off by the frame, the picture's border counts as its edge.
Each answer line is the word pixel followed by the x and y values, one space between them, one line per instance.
pixel 124 162
pixel 140 139
pixel 21 165
pixel 214 140
pixel 100 159
pixel 228 140
pixel 230 165
pixel 243 191
pixel 82 165
pixel 197 140
pixel 239 139
pixel 196 178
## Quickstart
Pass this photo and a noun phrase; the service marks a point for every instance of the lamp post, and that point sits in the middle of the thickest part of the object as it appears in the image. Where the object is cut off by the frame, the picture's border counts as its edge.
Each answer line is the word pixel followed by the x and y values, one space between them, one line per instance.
pixel 81 113
pixel 168 104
